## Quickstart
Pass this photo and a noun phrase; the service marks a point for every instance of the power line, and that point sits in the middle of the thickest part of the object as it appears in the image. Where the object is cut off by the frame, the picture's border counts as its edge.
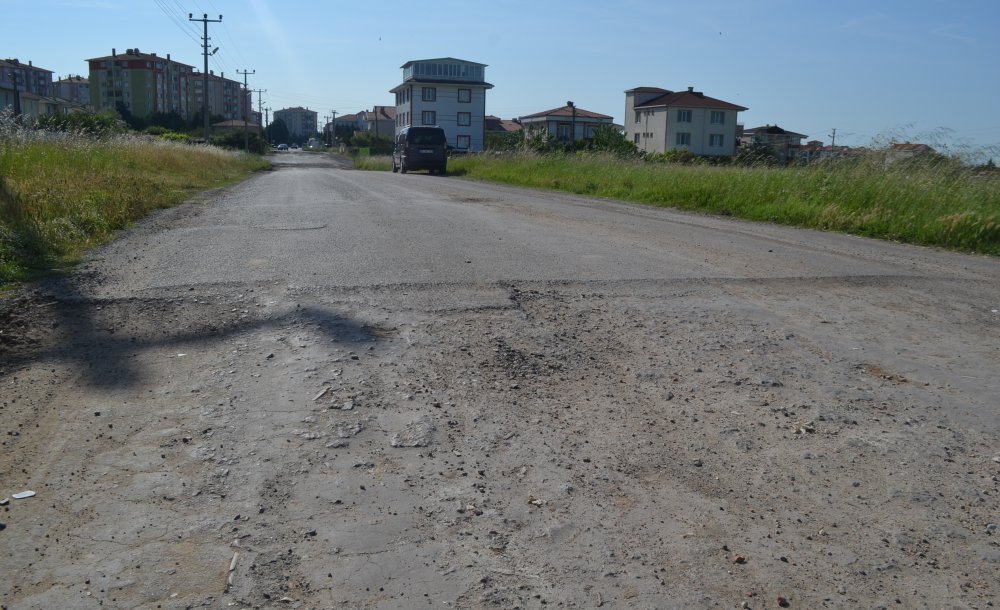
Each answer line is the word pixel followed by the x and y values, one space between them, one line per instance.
pixel 177 21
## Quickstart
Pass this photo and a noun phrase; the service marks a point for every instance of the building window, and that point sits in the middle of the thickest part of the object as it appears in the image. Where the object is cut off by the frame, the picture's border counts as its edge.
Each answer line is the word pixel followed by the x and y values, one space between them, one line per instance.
pixel 463 142
pixel 718 117
pixel 683 116
pixel 428 117
pixel 636 116
pixel 636 138
pixel 465 96
pixel 562 132
pixel 465 119
pixel 683 139
pixel 715 139
pixel 429 94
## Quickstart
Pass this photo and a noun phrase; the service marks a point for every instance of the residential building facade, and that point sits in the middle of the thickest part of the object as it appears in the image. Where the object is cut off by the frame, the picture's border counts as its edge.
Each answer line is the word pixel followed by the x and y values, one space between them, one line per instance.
pixel 73 88
pixel 786 144
pixel 658 120
pixel 226 98
pixel 22 86
pixel 143 83
pixel 301 122
pixel 567 123
pixel 446 92
pixel 28 77
pixel 381 121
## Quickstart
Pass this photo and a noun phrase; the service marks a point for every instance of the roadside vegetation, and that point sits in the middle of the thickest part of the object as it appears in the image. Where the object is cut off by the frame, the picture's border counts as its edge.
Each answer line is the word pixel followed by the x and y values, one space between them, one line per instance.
pixel 69 186
pixel 929 199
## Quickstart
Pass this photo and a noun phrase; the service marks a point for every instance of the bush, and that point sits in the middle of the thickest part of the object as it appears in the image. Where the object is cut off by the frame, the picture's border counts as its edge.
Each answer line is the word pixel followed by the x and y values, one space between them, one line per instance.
pixel 376 144
pixel 757 154
pixel 675 155
pixel 236 140
pixel 97 124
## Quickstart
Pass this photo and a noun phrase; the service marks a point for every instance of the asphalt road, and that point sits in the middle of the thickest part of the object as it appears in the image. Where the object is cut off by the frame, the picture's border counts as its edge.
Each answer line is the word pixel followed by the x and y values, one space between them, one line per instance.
pixel 327 388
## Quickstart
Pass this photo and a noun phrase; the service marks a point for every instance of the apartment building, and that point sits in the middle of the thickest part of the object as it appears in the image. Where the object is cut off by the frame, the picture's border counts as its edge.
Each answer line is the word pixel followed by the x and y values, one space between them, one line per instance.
pixel 142 82
pixel 73 88
pixel 301 122
pixel 226 97
pixel 28 77
pixel 658 120
pixel 447 92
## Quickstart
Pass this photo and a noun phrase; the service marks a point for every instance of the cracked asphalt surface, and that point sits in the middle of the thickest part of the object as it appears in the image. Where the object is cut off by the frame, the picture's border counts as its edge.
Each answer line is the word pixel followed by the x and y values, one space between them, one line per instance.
pixel 325 388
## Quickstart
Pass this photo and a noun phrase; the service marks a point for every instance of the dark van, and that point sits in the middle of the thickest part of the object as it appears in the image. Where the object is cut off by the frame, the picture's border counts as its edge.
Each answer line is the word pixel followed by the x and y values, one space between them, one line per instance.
pixel 420 148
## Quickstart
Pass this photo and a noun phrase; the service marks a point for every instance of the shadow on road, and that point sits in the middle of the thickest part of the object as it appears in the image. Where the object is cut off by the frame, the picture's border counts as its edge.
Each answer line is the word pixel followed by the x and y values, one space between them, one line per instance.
pixel 102 339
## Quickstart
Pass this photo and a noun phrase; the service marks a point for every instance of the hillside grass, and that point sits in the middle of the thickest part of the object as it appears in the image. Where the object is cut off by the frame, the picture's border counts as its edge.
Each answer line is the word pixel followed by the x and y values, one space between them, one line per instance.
pixel 934 201
pixel 62 193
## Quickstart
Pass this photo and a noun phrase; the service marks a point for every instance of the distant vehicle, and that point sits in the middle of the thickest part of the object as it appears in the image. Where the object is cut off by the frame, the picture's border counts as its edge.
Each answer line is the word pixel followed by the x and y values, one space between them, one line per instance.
pixel 420 148
pixel 295 146
pixel 282 146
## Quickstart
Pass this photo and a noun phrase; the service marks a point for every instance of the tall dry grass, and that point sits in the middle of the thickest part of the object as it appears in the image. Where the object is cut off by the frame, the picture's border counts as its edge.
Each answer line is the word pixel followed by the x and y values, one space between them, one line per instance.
pixel 61 192
pixel 933 201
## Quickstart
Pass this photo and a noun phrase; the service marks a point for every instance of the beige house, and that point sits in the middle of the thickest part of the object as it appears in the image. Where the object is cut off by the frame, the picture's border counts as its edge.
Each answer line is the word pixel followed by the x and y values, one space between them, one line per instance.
pixel 381 121
pixel 786 144
pixel 567 123
pixel 658 120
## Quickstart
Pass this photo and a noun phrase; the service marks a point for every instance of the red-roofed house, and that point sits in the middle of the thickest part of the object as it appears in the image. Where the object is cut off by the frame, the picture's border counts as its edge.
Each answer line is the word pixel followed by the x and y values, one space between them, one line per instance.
pixel 658 120
pixel 494 124
pixel 381 120
pixel 566 123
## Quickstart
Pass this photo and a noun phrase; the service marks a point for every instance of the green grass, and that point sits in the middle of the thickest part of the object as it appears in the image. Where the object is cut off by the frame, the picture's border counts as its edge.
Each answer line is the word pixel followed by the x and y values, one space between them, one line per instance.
pixel 377 163
pixel 934 201
pixel 62 193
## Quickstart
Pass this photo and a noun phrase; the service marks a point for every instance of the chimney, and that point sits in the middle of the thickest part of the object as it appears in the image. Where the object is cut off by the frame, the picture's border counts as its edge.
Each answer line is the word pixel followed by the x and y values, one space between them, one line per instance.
pixel 114 52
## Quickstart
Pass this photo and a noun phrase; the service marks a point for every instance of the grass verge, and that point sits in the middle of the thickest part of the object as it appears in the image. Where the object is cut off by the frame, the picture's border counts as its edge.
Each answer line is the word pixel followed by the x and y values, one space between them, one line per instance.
pixel 62 193
pixel 376 163
pixel 934 201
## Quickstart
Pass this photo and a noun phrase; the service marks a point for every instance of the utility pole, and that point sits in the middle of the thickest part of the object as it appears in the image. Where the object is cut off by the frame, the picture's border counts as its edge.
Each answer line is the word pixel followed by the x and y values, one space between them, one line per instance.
pixel 333 132
pixel 572 129
pixel 833 137
pixel 17 92
pixel 267 124
pixel 204 47
pixel 260 107
pixel 246 136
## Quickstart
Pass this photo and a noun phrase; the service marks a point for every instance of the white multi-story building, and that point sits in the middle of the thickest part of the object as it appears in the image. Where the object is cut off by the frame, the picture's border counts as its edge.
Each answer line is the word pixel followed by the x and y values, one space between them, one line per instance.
pixel 658 120
pixel 448 93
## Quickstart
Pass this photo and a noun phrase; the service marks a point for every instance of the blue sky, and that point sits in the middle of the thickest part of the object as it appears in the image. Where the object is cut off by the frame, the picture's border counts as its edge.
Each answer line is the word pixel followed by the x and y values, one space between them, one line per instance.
pixel 923 70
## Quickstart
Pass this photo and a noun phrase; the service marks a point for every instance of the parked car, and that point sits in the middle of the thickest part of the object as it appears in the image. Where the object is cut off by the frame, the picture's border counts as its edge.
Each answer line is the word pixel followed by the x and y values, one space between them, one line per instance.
pixel 420 148
pixel 282 146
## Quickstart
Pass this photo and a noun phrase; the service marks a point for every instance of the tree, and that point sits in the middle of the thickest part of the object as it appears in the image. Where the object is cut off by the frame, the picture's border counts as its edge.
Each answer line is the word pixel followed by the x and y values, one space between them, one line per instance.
pixel 277 132
pixel 610 139
pixel 377 144
pixel 344 134
pixel 757 154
